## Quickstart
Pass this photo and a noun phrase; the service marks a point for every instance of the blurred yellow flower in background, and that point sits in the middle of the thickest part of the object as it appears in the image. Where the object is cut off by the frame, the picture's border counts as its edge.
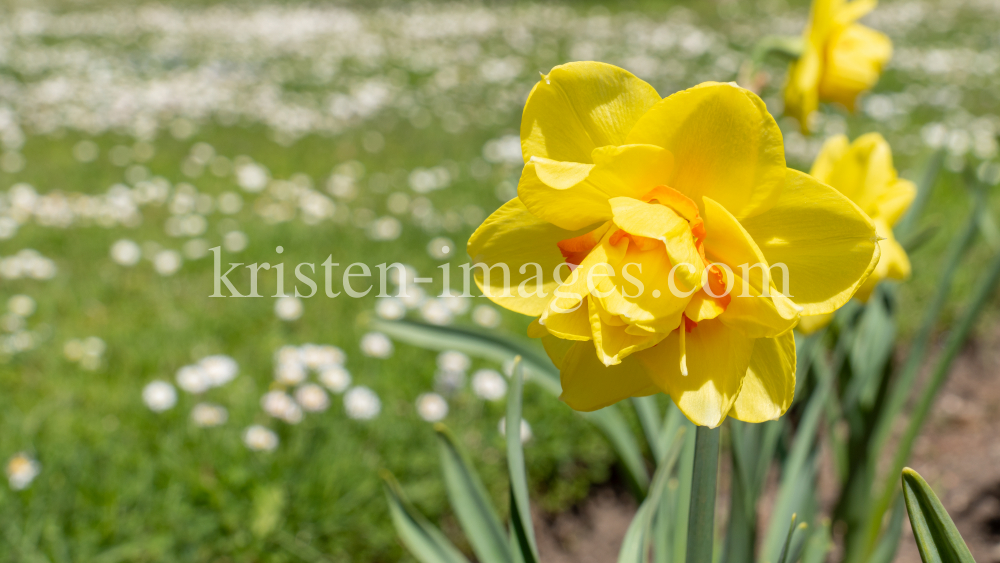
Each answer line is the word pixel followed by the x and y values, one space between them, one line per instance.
pixel 840 58
pixel 863 172
pixel 656 206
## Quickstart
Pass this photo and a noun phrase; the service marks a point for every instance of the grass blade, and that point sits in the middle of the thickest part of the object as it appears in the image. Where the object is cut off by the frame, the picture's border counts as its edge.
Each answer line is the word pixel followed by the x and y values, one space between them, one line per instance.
pixel 423 539
pixel 520 510
pixel 471 502
pixel 937 537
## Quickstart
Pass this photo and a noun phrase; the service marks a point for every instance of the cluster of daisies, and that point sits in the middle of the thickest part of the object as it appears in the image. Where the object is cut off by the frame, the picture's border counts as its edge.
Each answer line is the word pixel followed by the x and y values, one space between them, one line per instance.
pixel 15 337
pixel 210 372
pixel 306 376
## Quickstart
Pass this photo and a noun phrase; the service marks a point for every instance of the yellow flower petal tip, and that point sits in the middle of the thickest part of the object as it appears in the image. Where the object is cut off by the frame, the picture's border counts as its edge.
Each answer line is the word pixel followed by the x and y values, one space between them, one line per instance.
pixel 863 171
pixel 840 60
pixel 664 246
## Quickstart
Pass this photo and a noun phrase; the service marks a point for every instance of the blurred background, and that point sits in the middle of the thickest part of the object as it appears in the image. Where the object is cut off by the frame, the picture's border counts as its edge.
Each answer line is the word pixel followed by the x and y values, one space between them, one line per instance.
pixel 144 421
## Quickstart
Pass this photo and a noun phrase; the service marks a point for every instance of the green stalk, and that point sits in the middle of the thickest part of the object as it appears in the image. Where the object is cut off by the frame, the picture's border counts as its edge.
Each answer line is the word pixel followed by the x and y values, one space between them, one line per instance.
pixel 701 522
pixel 954 343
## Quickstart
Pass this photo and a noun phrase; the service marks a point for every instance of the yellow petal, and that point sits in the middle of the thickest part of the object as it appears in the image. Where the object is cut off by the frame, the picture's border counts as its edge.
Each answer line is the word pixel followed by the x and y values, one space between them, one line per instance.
pixel 556 349
pixel 811 323
pixel 578 107
pixel 756 315
pixel 640 289
pixel 769 385
pixel 612 340
pixel 557 192
pixel 661 223
pixel 851 12
pixel 717 361
pixel 703 307
pixel 755 312
pixel 572 195
pixel 631 170
pixel 588 385
pixel 829 158
pixel 826 242
pixel 854 59
pixel 726 241
pixel 894 200
pixel 515 237
pixel 802 86
pixel 861 171
pixel 893 263
pixel 726 144
pixel 575 285
pixel 573 325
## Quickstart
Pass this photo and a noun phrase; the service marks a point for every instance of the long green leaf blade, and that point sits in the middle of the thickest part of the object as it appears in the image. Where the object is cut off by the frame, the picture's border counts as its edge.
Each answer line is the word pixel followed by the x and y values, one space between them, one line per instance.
pixel 649 418
pixel 937 537
pixel 983 291
pixel 421 538
pixel 701 523
pixel 612 424
pixel 635 546
pixel 475 342
pixel 490 346
pixel 471 502
pixel 685 476
pixel 520 509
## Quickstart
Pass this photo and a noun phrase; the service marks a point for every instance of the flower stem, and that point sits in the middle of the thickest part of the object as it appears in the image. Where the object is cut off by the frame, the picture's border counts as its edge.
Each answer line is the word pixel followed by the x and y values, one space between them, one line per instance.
pixel 701 519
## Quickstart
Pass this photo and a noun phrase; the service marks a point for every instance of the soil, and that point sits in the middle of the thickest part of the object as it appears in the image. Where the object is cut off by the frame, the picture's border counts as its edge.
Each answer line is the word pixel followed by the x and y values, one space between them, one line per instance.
pixel 958 454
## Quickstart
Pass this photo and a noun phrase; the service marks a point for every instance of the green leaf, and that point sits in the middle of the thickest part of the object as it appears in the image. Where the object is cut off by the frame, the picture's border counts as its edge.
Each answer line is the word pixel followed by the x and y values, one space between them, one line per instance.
pixel 874 342
pixel 818 545
pixel 471 502
pixel 924 188
pixel 475 342
pixel 423 539
pixel 672 420
pixel 613 425
pixel 798 473
pixel 635 546
pixel 885 551
pixel 490 346
pixel 701 523
pixel 937 537
pixel 520 510
pixel 983 291
pixel 649 417
pixel 682 507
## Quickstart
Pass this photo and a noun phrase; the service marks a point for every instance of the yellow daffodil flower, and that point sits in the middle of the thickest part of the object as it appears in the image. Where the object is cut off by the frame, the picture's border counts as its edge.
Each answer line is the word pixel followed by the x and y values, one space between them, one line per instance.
pixel 634 218
pixel 840 59
pixel 863 172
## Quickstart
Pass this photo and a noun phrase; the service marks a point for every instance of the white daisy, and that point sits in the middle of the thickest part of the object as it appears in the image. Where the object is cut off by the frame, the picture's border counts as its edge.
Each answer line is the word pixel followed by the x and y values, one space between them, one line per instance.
pixel 159 396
